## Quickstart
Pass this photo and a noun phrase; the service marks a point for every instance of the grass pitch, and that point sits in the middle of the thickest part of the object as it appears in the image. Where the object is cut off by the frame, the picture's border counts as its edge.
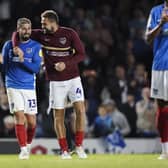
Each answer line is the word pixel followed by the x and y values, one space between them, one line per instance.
pixel 93 161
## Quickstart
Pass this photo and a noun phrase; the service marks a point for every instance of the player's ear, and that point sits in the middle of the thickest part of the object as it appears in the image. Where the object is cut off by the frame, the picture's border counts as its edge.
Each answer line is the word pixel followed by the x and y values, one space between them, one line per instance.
pixel 17 29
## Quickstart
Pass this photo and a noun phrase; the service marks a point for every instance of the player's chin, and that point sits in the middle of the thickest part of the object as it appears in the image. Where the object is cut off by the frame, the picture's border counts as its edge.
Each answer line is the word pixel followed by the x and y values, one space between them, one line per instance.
pixel 44 30
pixel 47 30
pixel 26 37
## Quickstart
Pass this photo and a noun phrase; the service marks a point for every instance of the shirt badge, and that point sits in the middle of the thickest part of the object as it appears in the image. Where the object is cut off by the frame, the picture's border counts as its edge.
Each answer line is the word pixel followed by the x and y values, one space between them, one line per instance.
pixel 62 40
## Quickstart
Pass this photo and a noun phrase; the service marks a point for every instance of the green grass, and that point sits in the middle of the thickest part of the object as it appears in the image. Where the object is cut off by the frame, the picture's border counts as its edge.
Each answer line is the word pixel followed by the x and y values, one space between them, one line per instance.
pixel 94 161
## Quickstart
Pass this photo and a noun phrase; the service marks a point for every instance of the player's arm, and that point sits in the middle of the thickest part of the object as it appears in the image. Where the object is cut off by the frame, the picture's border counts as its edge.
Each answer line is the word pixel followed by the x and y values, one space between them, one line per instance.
pixel 77 56
pixel 34 66
pixel 35 35
pixel 19 53
pixel 79 51
pixel 153 28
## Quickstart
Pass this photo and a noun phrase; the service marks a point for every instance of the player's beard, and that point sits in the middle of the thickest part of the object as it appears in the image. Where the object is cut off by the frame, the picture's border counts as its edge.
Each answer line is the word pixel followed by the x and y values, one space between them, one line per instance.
pixel 25 37
pixel 48 31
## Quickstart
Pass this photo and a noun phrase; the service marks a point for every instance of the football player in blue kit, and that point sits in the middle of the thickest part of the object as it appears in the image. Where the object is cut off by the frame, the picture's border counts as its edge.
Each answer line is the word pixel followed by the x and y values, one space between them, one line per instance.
pixel 20 71
pixel 157 33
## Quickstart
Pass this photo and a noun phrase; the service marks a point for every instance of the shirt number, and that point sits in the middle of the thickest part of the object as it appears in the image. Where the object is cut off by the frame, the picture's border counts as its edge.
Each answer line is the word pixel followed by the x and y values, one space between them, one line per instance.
pixel 32 103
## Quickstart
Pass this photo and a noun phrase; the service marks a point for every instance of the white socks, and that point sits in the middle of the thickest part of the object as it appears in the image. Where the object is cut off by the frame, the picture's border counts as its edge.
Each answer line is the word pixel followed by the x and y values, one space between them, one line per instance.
pixel 164 147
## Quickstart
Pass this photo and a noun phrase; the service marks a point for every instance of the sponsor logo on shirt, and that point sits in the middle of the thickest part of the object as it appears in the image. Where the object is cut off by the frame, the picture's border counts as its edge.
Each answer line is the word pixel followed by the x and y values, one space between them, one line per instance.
pixel 28 59
pixel 47 39
pixel 15 59
pixel 62 40
pixel 58 54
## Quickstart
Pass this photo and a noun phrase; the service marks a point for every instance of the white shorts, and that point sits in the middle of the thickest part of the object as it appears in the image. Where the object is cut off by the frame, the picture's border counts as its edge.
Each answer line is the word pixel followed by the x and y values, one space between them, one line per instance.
pixel 159 85
pixel 62 91
pixel 22 100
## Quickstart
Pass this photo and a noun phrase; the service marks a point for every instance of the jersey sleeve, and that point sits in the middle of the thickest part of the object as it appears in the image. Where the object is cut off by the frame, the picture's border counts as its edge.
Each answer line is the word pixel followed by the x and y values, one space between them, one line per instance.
pixel 34 66
pixel 78 49
pixel 152 21
pixel 35 35
pixel 15 39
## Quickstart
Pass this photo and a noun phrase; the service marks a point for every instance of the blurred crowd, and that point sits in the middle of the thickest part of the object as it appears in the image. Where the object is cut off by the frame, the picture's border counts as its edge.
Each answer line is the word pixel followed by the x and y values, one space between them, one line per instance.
pixel 115 73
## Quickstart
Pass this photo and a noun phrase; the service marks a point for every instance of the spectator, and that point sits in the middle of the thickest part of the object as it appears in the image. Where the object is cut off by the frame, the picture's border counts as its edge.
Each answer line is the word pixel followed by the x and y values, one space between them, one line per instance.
pixel 117 85
pixel 119 120
pixel 92 93
pixel 9 126
pixel 103 123
pixel 128 109
pixel 146 112
pixel 4 110
pixel 139 81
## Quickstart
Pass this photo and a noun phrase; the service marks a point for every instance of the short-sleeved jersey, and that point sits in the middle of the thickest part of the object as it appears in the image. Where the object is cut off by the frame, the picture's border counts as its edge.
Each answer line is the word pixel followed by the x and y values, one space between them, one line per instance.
pixel 21 75
pixel 160 44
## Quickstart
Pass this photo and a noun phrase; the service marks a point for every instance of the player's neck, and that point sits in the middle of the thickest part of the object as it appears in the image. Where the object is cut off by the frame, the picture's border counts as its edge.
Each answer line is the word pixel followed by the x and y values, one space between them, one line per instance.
pixel 56 27
pixel 24 41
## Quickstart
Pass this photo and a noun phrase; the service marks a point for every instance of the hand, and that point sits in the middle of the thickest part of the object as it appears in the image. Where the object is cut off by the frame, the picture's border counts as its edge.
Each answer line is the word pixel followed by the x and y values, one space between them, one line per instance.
pixel 164 17
pixel 60 66
pixel 19 52
pixel 1 60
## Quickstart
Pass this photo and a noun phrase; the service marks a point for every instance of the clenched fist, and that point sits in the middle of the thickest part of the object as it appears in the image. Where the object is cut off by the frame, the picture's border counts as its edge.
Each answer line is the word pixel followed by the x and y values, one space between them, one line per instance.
pixel 164 16
pixel 19 52
pixel 60 66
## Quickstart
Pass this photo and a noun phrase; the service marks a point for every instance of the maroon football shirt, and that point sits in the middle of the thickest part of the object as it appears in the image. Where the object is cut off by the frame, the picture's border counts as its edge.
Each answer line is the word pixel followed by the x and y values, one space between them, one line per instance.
pixel 64 45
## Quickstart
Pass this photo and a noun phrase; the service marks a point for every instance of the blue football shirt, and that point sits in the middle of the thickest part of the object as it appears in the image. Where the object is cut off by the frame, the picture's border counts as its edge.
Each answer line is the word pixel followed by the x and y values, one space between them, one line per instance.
pixel 21 75
pixel 160 46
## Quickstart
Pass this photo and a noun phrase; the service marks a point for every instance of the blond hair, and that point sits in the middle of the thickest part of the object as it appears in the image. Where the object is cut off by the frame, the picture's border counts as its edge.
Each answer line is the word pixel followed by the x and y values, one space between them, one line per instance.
pixel 22 21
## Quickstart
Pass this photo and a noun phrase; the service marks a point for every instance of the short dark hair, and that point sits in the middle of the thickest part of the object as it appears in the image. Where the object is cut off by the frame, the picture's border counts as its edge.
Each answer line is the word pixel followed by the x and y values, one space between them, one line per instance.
pixel 51 15
pixel 22 21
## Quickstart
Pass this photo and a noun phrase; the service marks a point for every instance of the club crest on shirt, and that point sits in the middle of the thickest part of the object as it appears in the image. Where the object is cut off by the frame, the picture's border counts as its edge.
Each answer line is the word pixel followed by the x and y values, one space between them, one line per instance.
pixel 62 40
pixel 28 50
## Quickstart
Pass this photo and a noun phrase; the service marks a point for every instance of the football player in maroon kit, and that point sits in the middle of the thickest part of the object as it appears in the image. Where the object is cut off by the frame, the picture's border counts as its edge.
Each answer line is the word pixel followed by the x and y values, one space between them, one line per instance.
pixel 62 51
